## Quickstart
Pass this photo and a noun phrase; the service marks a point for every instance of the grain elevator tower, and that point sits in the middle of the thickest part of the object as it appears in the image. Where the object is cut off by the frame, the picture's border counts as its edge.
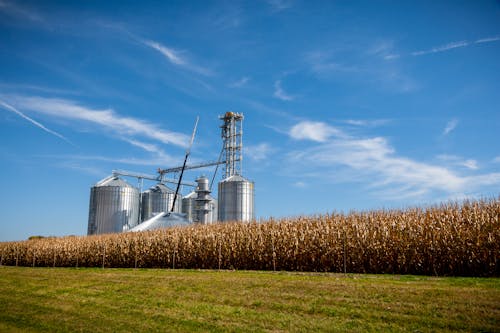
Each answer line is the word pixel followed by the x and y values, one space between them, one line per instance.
pixel 236 194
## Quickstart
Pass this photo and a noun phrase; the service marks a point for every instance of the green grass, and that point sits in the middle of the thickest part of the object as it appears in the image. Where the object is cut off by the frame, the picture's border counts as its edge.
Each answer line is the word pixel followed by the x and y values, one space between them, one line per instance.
pixel 144 300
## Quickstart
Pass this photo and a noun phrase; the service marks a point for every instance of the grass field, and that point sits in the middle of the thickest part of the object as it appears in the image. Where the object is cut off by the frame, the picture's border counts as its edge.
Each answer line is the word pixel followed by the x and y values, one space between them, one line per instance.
pixel 143 300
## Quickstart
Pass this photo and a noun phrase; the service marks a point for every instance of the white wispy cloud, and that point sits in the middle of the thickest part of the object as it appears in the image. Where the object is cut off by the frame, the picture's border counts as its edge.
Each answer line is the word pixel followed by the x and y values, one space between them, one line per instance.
pixel 391 56
pixel 375 162
pixel 161 160
pixel 144 145
pixel 383 49
pixel 442 48
pixel 28 88
pixel 323 63
pixel 280 93
pixel 107 118
pixel 34 122
pixel 240 83
pixel 455 45
pixel 258 152
pixel 314 131
pixel 172 55
pixel 176 57
pixel 387 52
pixel 487 40
pixel 367 122
pixel 366 65
pixel 158 156
pixel 471 164
pixel 459 161
pixel 15 10
pixel 450 126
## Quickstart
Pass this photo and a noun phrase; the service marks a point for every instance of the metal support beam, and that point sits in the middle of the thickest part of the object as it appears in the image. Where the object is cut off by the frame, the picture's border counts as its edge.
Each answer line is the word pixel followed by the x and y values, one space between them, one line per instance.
pixel 189 167
pixel 149 177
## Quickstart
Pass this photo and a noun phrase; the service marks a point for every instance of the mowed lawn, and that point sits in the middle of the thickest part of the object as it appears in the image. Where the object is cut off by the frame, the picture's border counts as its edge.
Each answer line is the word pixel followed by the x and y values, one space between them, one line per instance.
pixel 144 300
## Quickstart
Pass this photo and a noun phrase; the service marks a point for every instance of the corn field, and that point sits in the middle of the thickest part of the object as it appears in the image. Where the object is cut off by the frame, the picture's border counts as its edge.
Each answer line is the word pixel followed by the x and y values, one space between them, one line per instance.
pixel 461 239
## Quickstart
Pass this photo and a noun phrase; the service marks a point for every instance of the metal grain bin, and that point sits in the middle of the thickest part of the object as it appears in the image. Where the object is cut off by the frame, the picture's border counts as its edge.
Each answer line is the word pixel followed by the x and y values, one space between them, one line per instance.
pixel 236 199
pixel 114 206
pixel 157 199
pixel 213 217
pixel 189 206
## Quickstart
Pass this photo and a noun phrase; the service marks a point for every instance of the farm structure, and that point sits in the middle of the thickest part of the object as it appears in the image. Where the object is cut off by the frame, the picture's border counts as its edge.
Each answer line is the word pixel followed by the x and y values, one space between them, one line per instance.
pixel 117 206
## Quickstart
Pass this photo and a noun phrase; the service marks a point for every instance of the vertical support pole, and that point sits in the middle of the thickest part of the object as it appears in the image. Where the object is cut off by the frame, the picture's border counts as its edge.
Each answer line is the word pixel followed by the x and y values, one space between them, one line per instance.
pixel 173 255
pixel 345 254
pixel 274 252
pixel 433 249
pixel 103 256
pixel 220 252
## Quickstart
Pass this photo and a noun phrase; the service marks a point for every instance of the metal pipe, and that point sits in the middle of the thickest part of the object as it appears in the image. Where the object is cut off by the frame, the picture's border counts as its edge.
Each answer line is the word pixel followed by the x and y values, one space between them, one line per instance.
pixel 188 151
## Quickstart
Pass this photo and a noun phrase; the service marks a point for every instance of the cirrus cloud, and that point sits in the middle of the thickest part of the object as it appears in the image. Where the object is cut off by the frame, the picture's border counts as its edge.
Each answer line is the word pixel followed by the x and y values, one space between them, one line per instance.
pixel 375 162
pixel 280 93
pixel 176 57
pixel 106 118
pixel 314 131
pixel 450 126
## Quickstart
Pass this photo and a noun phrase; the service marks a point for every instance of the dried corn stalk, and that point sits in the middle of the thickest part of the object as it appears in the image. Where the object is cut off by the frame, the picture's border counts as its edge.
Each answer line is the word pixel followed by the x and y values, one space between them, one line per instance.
pixel 450 239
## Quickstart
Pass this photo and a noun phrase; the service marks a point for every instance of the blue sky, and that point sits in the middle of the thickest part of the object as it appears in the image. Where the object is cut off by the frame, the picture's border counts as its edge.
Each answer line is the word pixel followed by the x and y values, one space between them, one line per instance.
pixel 349 105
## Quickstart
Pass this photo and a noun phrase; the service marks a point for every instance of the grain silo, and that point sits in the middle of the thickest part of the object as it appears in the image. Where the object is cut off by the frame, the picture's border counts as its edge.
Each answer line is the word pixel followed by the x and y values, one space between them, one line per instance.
pixel 214 216
pixel 157 199
pixel 236 194
pixel 114 206
pixel 236 199
pixel 189 206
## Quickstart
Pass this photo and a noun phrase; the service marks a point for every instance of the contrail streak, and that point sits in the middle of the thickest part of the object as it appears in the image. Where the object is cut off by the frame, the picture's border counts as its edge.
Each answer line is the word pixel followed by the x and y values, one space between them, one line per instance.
pixel 34 122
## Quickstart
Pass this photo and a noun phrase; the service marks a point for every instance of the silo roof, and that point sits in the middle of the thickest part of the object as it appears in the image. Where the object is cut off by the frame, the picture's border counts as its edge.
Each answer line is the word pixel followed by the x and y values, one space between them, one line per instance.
pixel 235 178
pixel 113 182
pixel 191 195
pixel 160 187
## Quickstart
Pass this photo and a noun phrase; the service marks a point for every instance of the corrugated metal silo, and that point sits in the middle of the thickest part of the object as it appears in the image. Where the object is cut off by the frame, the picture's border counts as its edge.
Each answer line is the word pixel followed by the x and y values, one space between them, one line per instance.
pixel 214 216
pixel 114 206
pixel 157 199
pixel 236 199
pixel 189 206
